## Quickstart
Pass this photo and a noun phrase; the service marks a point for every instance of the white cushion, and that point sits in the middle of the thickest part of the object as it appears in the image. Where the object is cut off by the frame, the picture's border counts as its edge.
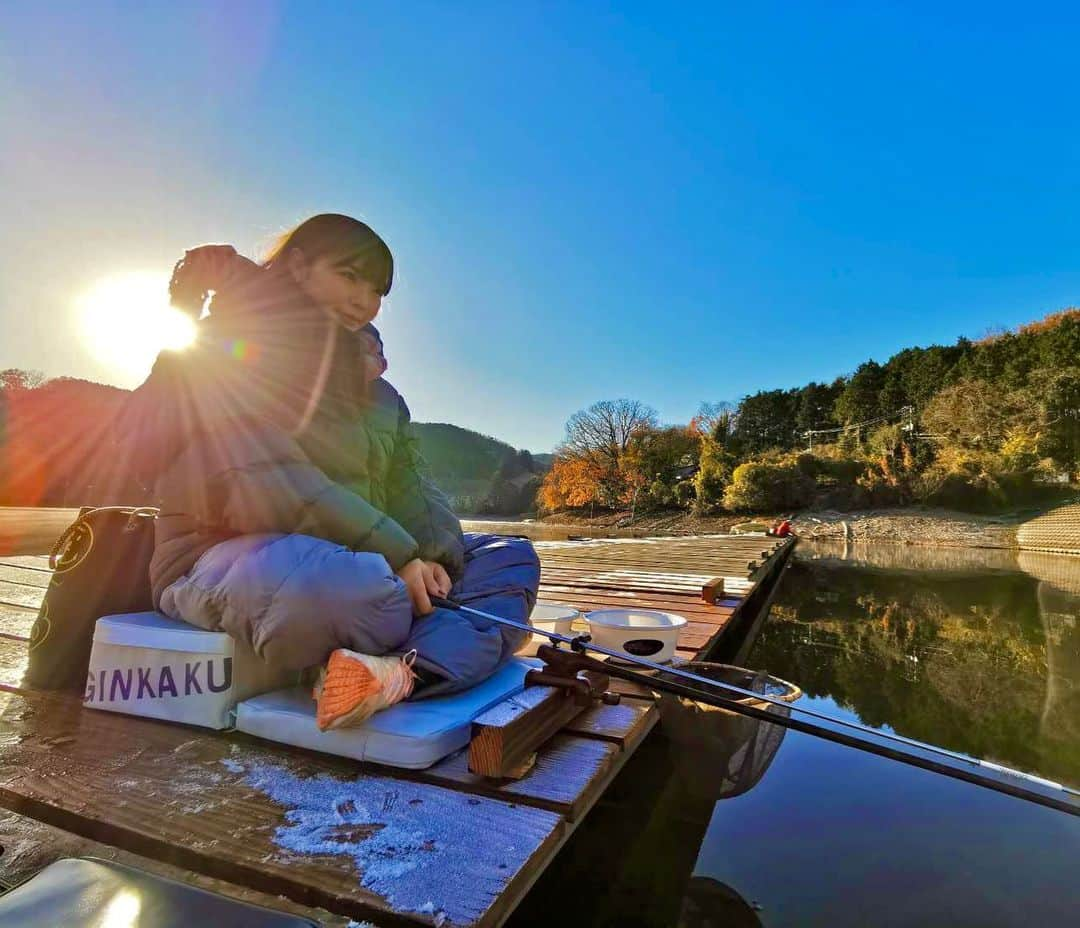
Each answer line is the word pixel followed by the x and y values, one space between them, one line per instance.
pixel 410 734
pixel 143 663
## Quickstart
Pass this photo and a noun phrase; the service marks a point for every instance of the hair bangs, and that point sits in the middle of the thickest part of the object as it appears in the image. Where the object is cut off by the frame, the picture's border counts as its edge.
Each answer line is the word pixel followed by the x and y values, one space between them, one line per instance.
pixel 371 260
pixel 346 242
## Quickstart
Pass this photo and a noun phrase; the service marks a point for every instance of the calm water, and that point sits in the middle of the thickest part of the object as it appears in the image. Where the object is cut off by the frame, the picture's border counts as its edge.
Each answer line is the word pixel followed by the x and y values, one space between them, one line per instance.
pixel 543 531
pixel 725 822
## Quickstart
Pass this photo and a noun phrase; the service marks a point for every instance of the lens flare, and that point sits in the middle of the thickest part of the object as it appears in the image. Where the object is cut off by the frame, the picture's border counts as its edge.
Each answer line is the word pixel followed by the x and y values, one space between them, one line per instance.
pixel 126 320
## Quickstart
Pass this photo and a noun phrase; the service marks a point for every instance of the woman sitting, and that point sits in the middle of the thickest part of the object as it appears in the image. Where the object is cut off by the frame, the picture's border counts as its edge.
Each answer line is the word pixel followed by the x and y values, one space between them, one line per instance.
pixel 294 515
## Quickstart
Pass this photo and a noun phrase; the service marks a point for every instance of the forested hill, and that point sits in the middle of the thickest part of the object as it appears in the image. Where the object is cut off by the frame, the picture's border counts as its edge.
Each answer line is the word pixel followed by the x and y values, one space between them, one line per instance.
pixel 981 424
pixel 453 452
pixel 481 473
pixel 1037 361
pixel 52 434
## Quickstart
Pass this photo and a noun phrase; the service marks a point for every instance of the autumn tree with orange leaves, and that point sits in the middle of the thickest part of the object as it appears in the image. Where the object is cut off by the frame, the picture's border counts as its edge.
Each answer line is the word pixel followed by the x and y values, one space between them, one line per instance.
pixel 570 484
pixel 592 464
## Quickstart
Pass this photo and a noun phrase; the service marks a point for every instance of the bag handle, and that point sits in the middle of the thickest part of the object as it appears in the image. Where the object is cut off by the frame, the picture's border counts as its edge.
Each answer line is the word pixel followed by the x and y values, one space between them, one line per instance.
pixel 81 524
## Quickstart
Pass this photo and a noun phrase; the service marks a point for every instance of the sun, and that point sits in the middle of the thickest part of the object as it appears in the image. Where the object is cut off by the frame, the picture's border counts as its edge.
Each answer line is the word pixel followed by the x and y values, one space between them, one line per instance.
pixel 126 320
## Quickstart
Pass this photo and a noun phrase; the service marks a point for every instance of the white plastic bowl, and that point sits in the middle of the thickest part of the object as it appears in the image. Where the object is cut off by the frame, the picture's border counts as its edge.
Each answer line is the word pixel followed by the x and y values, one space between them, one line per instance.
pixel 553 617
pixel 643 633
pixel 548 617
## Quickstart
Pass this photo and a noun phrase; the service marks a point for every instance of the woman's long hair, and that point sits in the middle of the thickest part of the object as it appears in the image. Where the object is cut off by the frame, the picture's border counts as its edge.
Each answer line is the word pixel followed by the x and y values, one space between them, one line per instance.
pixel 344 241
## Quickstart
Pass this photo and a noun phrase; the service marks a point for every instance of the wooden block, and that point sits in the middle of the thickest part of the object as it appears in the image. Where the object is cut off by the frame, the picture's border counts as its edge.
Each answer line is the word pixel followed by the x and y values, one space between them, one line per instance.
pixel 713 591
pixel 504 736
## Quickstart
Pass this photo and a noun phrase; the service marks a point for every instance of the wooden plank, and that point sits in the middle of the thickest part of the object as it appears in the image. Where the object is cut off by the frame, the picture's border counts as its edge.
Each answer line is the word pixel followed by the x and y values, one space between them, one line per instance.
pixel 25 576
pixel 12 662
pixel 26 530
pixel 238 813
pixel 624 725
pixel 683 605
pixel 16 622
pixel 569 775
pixel 662 551
pixel 595 578
pixel 703 625
pixel 19 596
pixel 733 587
pixel 30 561
pixel 691 544
pixel 615 581
pixel 505 736
pixel 654 560
pixel 590 600
pixel 29 846
pixel 652 572
pixel 703 568
pixel 600 573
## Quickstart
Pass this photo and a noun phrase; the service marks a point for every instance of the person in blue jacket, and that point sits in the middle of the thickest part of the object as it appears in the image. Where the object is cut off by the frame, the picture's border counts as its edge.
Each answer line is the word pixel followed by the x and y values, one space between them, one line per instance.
pixel 294 512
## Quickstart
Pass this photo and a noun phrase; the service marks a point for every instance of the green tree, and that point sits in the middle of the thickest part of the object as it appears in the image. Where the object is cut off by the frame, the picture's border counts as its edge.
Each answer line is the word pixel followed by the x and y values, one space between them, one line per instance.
pixel 816 404
pixel 1059 392
pixel 767 419
pixel 860 399
pixel 769 486
pixel 715 467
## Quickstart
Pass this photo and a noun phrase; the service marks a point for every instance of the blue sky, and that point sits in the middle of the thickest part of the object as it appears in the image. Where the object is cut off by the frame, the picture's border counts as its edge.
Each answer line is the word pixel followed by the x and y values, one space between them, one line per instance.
pixel 672 203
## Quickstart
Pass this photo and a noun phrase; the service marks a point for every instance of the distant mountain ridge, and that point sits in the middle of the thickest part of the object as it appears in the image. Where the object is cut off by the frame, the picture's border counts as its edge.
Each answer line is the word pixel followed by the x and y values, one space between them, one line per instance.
pixel 50 429
pixel 478 472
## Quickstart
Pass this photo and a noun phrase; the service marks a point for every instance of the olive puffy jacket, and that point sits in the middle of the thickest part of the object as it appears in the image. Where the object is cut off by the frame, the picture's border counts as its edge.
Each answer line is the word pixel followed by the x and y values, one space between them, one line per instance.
pixel 267 424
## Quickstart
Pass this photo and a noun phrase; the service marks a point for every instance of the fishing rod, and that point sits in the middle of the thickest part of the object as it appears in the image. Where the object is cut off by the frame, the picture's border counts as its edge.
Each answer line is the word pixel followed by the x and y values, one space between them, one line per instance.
pixel 851 734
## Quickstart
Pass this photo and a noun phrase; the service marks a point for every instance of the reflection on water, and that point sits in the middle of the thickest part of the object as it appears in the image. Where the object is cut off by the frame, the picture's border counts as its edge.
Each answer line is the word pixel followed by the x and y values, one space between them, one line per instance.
pixel 978 656
pixel 724 824
pixel 832 836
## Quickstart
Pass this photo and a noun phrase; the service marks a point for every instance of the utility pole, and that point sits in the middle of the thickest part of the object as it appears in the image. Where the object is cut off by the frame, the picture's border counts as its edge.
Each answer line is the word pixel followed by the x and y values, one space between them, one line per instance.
pixel 908 413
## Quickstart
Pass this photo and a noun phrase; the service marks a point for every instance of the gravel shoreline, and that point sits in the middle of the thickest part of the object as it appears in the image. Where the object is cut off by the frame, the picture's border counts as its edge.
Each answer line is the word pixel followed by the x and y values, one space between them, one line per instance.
pixel 914 525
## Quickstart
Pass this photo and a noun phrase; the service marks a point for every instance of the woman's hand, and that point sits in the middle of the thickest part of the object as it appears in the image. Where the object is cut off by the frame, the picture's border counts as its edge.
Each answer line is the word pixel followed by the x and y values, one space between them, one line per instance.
pixel 424 579
pixel 437 579
pixel 214 265
pixel 214 262
pixel 202 269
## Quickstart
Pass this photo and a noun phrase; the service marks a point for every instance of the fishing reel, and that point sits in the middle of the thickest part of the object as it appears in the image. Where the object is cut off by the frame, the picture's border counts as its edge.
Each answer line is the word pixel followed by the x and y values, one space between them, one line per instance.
pixel 575 671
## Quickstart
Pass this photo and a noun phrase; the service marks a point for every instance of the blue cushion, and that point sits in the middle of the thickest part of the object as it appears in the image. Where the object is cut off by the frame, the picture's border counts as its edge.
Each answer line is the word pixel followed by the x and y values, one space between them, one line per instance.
pixel 411 734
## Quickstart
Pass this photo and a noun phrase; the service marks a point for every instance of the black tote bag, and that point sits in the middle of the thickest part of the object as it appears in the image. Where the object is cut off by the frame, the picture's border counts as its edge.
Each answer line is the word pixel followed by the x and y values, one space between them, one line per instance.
pixel 101 566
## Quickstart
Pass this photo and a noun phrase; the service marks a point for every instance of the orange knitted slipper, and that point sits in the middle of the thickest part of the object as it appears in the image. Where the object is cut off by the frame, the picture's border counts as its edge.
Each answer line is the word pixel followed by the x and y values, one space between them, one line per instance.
pixel 353 687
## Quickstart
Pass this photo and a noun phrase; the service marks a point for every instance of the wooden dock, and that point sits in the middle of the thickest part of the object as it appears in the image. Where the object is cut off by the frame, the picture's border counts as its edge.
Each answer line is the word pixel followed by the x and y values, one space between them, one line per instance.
pixel 394 847
pixel 670 574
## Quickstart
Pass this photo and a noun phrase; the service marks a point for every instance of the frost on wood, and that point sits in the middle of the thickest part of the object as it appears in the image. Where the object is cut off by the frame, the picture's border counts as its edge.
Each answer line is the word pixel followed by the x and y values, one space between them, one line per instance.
pixel 443 854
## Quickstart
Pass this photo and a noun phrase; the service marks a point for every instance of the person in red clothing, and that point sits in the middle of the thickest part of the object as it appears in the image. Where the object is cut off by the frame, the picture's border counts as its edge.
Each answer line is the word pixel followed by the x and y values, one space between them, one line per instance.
pixel 781 528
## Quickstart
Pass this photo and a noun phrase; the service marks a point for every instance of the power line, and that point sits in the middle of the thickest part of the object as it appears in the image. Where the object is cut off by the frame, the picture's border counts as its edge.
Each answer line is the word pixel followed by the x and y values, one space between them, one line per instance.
pixel 906 412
